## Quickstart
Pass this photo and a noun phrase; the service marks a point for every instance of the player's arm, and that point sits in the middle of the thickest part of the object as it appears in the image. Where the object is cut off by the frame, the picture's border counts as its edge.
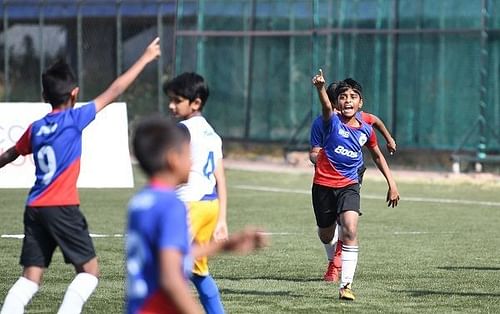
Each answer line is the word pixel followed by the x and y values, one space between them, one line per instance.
pixel 221 230
pixel 8 156
pixel 242 242
pixel 313 154
pixel 123 81
pixel 174 284
pixel 380 126
pixel 379 159
pixel 326 106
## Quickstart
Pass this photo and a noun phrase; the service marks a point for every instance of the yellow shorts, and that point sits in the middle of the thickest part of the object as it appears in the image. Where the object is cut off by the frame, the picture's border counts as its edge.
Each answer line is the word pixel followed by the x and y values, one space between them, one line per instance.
pixel 203 219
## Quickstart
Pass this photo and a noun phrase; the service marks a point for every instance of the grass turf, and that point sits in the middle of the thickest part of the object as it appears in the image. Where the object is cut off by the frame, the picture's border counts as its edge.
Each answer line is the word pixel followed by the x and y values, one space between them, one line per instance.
pixel 422 257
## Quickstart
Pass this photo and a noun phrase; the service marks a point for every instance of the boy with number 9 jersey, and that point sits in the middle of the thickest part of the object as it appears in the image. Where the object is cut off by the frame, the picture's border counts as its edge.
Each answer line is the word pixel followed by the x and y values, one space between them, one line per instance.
pixel 52 217
pixel 205 191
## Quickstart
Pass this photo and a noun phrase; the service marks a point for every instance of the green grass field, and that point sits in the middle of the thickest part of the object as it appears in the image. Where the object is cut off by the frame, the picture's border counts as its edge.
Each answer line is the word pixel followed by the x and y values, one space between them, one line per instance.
pixel 427 256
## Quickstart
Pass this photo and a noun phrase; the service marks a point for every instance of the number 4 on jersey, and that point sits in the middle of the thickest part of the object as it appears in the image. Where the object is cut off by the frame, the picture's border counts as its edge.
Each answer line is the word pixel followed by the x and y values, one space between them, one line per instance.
pixel 209 167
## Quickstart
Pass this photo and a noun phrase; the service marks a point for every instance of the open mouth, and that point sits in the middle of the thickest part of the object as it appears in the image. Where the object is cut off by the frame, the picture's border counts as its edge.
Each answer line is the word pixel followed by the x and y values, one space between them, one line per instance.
pixel 348 108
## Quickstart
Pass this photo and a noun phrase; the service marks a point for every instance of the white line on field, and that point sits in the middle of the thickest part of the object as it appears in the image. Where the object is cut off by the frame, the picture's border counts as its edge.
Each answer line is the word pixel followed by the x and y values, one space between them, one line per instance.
pixel 421 232
pixel 117 235
pixel 373 197
pixel 93 235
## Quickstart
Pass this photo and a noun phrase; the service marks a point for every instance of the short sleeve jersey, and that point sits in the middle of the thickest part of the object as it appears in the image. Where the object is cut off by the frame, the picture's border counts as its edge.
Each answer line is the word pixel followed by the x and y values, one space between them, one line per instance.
pixel 157 220
pixel 339 160
pixel 206 151
pixel 317 138
pixel 56 144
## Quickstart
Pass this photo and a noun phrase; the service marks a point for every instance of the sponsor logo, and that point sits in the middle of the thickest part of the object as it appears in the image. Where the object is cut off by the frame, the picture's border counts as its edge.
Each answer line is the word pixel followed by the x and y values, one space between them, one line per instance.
pixel 47 129
pixel 362 139
pixel 344 133
pixel 345 152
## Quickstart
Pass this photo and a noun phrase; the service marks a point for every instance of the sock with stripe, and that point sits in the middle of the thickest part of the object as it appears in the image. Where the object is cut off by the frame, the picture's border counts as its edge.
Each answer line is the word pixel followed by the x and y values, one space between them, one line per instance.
pixel 349 263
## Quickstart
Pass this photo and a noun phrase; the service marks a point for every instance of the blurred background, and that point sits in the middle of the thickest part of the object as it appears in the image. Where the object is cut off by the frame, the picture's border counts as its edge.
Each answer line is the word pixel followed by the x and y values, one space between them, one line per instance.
pixel 430 69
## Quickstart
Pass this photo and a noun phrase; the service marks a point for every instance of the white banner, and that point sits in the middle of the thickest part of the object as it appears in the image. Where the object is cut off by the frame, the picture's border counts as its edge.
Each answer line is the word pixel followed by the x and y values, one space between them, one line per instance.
pixel 105 161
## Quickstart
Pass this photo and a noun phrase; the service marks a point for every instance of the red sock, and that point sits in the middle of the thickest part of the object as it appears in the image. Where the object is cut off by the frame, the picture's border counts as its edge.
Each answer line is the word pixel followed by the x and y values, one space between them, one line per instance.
pixel 337 258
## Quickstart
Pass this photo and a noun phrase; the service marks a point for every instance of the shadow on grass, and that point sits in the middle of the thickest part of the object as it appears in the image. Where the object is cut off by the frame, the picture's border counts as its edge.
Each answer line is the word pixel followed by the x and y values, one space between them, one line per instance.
pixel 469 268
pixel 270 278
pixel 423 293
pixel 260 293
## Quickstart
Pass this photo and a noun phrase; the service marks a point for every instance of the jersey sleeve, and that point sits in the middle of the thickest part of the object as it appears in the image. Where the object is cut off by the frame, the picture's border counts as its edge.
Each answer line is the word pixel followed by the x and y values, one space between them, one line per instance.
pixel 84 115
pixel 218 151
pixel 316 139
pixel 372 140
pixel 368 118
pixel 173 230
pixel 23 145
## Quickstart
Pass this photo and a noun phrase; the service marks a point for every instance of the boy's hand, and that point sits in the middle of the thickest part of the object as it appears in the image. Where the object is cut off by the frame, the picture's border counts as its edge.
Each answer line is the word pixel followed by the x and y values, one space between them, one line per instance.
pixel 391 146
pixel 246 241
pixel 392 197
pixel 318 80
pixel 220 233
pixel 153 50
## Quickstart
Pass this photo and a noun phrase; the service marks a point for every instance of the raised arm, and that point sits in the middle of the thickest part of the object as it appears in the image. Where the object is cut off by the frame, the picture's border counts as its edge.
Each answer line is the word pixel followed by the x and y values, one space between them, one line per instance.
pixel 8 156
pixel 326 106
pixel 221 231
pixel 379 125
pixel 379 159
pixel 123 81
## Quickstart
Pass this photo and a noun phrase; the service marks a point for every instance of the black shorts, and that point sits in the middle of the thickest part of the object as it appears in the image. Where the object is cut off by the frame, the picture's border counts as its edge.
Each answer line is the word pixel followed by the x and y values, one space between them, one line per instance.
pixel 45 228
pixel 329 202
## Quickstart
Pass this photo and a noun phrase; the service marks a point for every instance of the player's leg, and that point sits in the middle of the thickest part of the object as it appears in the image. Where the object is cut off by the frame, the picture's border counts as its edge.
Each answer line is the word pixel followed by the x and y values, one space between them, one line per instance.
pixel 69 228
pixel 203 218
pixel 325 213
pixel 337 256
pixel 349 205
pixel 36 253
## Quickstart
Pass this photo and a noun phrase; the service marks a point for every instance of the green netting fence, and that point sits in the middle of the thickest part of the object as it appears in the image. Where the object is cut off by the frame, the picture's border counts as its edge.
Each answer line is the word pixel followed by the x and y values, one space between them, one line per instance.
pixel 427 67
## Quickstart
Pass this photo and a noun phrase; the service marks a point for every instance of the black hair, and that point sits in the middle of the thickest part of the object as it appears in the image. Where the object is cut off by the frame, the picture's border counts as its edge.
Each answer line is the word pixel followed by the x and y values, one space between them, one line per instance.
pixel 330 91
pixel 57 82
pixel 189 85
pixel 344 85
pixel 153 137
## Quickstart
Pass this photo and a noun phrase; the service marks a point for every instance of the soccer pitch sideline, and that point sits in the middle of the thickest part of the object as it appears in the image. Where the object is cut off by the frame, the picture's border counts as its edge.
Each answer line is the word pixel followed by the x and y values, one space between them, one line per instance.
pixel 438 252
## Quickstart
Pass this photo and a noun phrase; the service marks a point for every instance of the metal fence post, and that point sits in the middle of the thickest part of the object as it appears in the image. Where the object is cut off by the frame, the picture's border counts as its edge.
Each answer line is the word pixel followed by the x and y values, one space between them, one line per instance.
pixel 483 81
pixel 159 25
pixel 6 51
pixel 41 25
pixel 79 47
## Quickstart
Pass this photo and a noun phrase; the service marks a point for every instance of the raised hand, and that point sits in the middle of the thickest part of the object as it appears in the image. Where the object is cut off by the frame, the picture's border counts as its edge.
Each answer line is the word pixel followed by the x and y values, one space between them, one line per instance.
pixel 153 50
pixel 319 80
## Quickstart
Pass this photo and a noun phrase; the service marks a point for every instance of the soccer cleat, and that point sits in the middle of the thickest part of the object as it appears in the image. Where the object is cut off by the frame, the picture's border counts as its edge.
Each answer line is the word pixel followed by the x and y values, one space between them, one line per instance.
pixel 332 273
pixel 346 293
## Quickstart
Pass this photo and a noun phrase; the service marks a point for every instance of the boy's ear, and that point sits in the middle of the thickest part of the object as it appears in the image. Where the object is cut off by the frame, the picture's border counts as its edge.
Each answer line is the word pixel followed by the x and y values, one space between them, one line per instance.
pixel 361 103
pixel 196 104
pixel 74 95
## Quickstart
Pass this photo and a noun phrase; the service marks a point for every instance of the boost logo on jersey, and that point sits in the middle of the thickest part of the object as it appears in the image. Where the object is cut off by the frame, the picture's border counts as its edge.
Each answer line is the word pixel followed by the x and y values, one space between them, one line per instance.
pixel 345 152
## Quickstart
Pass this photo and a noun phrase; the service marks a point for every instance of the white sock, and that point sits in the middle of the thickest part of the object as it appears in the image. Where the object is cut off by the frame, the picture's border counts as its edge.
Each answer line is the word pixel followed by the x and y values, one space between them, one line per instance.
pixel 79 290
pixel 330 247
pixel 19 296
pixel 349 262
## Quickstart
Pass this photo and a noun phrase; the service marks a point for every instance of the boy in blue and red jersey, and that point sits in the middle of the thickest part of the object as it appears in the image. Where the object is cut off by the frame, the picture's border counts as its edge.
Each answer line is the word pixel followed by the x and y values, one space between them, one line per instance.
pixel 334 247
pixel 52 216
pixel 159 253
pixel 335 191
